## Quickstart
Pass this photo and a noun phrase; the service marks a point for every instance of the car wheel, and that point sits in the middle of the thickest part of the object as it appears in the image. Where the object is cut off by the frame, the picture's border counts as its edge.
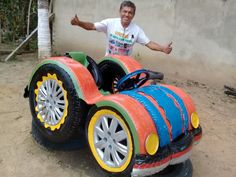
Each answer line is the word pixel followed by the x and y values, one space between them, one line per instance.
pixel 111 74
pixel 77 142
pixel 56 109
pixel 110 141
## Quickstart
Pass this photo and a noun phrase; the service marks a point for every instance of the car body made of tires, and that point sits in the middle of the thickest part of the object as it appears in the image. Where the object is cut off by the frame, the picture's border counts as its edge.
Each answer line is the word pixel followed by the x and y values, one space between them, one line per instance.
pixel 132 127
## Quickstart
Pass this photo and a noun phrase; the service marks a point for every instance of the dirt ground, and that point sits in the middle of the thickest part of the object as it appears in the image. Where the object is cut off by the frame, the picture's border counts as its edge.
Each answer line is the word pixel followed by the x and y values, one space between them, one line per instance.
pixel 21 156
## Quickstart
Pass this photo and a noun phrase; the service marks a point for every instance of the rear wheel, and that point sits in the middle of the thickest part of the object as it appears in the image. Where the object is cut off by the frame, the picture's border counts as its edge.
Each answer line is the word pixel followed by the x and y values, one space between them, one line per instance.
pixel 56 109
pixel 111 74
pixel 110 141
pixel 77 142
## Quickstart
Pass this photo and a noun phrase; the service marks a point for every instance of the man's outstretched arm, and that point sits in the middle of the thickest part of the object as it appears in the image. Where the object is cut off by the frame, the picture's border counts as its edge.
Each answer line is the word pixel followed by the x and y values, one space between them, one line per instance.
pixel 162 48
pixel 86 25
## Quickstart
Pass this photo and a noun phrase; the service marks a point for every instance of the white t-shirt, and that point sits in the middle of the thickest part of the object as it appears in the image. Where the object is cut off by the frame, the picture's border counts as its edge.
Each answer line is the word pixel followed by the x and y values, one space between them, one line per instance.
pixel 120 40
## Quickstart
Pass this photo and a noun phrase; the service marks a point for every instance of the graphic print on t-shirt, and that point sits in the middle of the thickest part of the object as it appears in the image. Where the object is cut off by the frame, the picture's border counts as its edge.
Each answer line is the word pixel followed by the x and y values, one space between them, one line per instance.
pixel 120 44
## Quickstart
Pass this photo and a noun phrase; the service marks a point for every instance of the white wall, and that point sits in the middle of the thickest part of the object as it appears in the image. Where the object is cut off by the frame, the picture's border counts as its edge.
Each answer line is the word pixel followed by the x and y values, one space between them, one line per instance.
pixel 201 30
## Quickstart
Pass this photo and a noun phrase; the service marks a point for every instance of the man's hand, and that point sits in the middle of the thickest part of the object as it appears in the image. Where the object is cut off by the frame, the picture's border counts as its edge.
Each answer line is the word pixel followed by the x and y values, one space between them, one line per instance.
pixel 86 25
pixel 167 48
pixel 75 20
pixel 157 47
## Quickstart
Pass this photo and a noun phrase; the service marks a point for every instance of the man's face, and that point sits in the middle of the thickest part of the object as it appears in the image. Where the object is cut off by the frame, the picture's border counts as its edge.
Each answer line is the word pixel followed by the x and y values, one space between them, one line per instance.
pixel 126 15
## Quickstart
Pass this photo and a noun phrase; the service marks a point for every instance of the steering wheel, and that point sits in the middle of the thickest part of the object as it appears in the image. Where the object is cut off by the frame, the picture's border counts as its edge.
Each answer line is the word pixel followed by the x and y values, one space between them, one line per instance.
pixel 133 80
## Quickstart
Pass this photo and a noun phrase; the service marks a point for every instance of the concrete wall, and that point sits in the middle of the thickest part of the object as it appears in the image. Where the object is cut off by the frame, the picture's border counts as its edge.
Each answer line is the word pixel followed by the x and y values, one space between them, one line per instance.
pixel 201 30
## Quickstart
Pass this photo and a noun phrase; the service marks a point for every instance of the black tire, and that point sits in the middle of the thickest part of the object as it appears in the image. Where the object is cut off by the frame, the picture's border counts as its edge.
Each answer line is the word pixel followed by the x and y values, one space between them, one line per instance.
pixel 111 73
pixel 74 112
pixel 184 169
pixel 78 141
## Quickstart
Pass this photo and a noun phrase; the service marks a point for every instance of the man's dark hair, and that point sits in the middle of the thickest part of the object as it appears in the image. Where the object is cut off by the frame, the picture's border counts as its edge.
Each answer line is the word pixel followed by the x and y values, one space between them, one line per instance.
pixel 128 4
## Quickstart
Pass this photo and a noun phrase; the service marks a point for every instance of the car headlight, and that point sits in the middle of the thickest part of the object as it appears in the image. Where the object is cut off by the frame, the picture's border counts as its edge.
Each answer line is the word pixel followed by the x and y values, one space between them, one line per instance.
pixel 152 144
pixel 194 120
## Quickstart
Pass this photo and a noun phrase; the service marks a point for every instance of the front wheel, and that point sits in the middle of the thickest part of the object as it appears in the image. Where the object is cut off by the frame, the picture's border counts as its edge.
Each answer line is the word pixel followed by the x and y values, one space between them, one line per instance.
pixel 56 109
pixel 110 140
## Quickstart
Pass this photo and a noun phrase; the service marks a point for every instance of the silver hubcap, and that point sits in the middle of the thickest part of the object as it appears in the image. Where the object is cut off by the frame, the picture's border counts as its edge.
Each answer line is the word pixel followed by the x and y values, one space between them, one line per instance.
pixel 111 141
pixel 51 102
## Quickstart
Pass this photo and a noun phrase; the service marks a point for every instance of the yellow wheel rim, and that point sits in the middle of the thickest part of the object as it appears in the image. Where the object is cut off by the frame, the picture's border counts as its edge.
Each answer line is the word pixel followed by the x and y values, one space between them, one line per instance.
pixel 110 141
pixel 52 102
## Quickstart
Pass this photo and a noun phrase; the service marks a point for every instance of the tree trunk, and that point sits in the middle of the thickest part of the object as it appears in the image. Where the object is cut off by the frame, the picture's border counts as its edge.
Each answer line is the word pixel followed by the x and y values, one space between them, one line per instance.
pixel 44 39
pixel 0 32
pixel 28 18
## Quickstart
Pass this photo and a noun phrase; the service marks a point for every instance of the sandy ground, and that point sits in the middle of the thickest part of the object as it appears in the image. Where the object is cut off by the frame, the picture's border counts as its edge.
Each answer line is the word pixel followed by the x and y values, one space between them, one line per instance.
pixel 20 156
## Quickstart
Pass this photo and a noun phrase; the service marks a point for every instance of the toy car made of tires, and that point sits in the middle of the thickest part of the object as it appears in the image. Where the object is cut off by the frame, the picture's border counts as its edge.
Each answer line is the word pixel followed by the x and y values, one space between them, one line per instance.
pixel 132 126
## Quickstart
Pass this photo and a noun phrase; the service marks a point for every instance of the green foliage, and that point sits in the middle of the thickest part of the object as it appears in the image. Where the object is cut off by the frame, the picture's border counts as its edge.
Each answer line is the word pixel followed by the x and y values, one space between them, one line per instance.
pixel 13 18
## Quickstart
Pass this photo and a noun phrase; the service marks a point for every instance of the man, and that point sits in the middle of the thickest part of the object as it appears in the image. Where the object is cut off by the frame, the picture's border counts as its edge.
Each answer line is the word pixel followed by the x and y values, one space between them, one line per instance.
pixel 121 32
